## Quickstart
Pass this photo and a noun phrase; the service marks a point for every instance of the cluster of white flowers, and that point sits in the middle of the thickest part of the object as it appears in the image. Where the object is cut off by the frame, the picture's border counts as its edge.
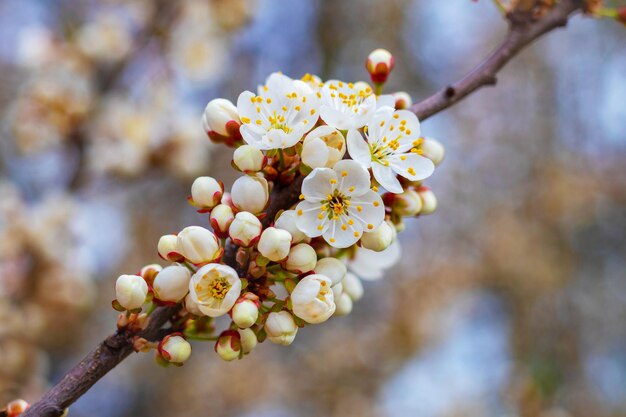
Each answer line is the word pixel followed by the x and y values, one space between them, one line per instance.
pixel 307 218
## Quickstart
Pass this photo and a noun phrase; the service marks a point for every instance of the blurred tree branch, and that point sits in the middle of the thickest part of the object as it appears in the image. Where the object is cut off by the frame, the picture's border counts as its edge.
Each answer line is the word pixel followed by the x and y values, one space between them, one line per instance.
pixel 524 29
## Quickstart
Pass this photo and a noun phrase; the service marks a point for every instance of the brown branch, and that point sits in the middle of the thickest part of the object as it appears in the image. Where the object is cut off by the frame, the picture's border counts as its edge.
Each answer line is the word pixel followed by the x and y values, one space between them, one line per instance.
pixel 524 30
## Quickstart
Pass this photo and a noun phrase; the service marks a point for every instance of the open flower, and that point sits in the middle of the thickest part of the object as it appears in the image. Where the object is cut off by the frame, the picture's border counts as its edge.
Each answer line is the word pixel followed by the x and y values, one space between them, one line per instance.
pixel 390 148
pixel 338 204
pixel 215 289
pixel 346 105
pixel 278 117
pixel 313 299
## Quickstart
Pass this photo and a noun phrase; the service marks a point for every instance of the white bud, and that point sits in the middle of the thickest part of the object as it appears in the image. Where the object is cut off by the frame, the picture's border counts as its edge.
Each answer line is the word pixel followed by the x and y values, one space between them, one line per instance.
pixel 172 283
pixel 332 268
pixel 312 299
pixel 248 159
pixel 168 248
pixel 281 328
pixel 433 150
pixel 131 291
pixel 206 192
pixel 429 200
pixel 408 203
pixel 287 221
pixel 221 218
pixel 192 307
pixel 337 290
pixel 379 64
pixel 248 340
pixel 353 286
pixel 380 238
pixel 245 312
pixel 302 258
pixel 245 230
pixel 403 100
pixel 275 244
pixel 228 345
pixel 175 349
pixel 323 147
pixel 344 305
pixel 250 193
pixel 218 114
pixel 198 244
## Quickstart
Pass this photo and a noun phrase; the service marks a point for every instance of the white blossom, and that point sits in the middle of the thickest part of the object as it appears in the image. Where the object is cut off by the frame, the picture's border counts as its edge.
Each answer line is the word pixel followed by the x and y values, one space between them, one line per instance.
pixel 199 245
pixel 281 328
pixel 433 150
pixel 250 193
pixel 131 291
pixel 275 244
pixel 313 299
pixel 215 289
pixel 206 192
pixel 339 204
pixel 172 283
pixel 390 148
pixel 245 230
pixel 346 105
pixel 332 268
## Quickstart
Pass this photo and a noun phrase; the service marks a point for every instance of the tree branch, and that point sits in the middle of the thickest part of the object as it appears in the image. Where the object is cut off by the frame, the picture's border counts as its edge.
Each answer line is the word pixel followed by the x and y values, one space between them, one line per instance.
pixel 523 31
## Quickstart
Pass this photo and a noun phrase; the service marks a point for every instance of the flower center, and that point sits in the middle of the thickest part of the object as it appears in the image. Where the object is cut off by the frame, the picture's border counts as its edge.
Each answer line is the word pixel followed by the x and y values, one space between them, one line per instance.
pixel 335 205
pixel 216 288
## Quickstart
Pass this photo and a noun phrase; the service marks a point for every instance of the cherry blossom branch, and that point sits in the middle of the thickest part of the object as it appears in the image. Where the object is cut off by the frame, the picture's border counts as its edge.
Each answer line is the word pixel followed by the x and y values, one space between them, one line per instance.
pixel 524 29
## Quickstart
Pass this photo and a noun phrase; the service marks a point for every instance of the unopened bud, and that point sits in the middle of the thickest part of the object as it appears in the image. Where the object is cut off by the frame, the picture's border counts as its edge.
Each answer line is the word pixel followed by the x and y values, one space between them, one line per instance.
pixel 199 245
pixel 380 238
pixel 249 159
pixel 16 407
pixel 168 248
pixel 149 272
pixel 379 64
pixel 323 147
pixel 228 345
pixel 429 200
pixel 245 230
pixel 221 218
pixel 403 100
pixel 313 299
pixel 131 291
pixel 353 286
pixel 250 194
pixel 407 203
pixel 172 283
pixel 275 244
pixel 281 328
pixel 245 312
pixel 433 150
pixel 344 305
pixel 175 349
pixel 206 193
pixel 220 116
pixel 248 340
pixel 287 221
pixel 333 268
pixel 302 258
pixel 191 306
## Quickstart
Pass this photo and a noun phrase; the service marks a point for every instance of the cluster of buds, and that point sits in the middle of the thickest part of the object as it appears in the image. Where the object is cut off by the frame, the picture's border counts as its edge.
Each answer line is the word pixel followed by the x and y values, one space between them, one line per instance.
pixel 329 171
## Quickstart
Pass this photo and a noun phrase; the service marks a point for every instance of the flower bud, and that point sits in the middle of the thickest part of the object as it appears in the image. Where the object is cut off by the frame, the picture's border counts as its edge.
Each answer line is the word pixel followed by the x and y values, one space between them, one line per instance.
pixel 380 238
pixel 168 248
pixel 149 272
pixel 220 116
pixel 172 283
pixel 245 230
pixel 312 299
pixel 429 200
pixel 248 340
pixel 250 194
pixel 407 203
pixel 302 258
pixel 344 305
pixel 332 268
pixel 287 221
pixel 249 159
pixel 16 407
pixel 191 306
pixel 433 150
pixel 198 245
pixel 245 312
pixel 379 64
pixel 323 147
pixel 275 244
pixel 353 286
pixel 206 192
pixel 228 345
pixel 131 291
pixel 281 328
pixel 175 349
pixel 403 100
pixel 221 217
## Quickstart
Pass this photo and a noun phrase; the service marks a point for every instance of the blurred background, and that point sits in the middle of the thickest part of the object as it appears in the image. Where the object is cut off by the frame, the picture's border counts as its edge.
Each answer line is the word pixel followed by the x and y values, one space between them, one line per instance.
pixel 509 300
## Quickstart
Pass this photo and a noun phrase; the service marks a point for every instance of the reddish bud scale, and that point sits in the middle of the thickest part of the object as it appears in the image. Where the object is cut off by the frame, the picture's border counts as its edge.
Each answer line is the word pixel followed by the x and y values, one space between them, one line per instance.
pixel 222 234
pixel 235 339
pixel 160 349
pixel 388 198
pixel 381 72
pixel 216 260
pixel 621 15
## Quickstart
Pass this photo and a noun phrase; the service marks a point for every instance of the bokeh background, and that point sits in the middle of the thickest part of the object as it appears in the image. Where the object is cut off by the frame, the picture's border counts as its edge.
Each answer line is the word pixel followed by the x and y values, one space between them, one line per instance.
pixel 509 300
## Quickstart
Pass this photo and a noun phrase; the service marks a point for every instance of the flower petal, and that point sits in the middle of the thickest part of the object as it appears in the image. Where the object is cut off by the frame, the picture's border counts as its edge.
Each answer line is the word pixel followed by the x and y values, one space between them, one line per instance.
pixel 368 209
pixel 358 148
pixel 308 219
pixel 318 184
pixel 353 178
pixel 341 234
pixel 412 166
pixel 387 178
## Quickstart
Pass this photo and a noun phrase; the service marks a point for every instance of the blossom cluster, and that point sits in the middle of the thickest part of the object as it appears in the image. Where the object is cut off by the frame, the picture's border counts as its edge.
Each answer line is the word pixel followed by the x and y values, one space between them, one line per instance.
pixel 329 171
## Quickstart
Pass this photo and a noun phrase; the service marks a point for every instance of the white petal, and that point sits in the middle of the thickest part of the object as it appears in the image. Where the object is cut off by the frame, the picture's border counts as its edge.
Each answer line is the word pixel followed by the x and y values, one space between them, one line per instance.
pixel 245 108
pixel 333 117
pixel 359 149
pixel 385 100
pixel 318 184
pixel 387 178
pixel 422 167
pixel 252 138
pixel 353 178
pixel 368 209
pixel 378 127
pixel 308 219
pixel 315 152
pixel 339 236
